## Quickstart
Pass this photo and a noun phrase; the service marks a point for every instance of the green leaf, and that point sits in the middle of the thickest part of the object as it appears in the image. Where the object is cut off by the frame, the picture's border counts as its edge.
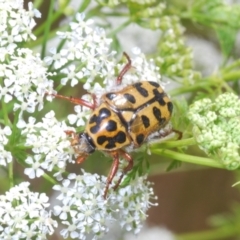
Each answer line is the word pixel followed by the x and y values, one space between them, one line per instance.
pixel 226 36
pixel 173 165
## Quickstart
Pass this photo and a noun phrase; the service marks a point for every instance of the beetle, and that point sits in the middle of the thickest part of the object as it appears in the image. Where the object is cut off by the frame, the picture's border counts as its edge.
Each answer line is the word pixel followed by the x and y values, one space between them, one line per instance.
pixel 123 118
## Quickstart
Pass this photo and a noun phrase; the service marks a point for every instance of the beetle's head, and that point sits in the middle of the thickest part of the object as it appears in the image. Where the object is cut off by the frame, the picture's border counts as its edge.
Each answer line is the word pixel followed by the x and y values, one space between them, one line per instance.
pixel 82 146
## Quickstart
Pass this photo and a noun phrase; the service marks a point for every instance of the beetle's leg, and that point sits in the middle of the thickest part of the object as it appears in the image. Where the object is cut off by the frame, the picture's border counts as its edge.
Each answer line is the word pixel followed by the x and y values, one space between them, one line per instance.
pixel 126 169
pixel 81 159
pixel 77 101
pixel 70 132
pixel 112 172
pixel 179 133
pixel 74 137
pixel 125 69
pixel 94 97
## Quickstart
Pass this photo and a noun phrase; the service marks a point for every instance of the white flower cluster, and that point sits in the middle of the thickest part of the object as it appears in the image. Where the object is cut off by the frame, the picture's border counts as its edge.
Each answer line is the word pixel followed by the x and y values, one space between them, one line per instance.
pixel 49 145
pixel 133 201
pixel 87 49
pixel 23 76
pixel 16 25
pixel 24 214
pixel 216 127
pixel 84 211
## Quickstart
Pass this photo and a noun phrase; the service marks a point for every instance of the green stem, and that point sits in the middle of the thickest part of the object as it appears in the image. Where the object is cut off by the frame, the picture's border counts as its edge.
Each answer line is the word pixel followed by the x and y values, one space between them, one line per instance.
pixel 84 5
pixel 119 28
pixel 192 88
pixel 207 82
pixel 37 3
pixel 188 158
pixel 231 76
pixel 52 34
pixel 231 66
pixel 49 178
pixel 172 144
pixel 10 174
pixel 47 28
pixel 5 114
pixel 41 28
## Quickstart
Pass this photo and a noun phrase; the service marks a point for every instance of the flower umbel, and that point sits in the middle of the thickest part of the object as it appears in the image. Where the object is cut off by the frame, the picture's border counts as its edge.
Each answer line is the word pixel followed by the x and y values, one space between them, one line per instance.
pixel 84 211
pixel 24 214
pixel 216 127
pixel 24 76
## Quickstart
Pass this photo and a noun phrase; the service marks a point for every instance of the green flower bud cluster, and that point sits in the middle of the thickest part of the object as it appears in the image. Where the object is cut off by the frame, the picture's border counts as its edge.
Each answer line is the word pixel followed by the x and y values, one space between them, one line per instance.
pixel 216 128
pixel 153 12
pixel 175 59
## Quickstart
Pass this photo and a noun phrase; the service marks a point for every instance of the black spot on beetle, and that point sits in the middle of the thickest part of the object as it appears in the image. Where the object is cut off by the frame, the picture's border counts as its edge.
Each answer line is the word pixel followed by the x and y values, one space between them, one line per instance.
pixel 93 119
pixel 140 89
pixel 170 107
pixel 159 97
pixel 157 113
pixel 111 126
pixel 103 113
pixel 120 137
pixel 111 144
pixel 110 96
pixel 140 138
pixel 97 119
pixel 130 97
pixel 95 129
pixel 101 139
pixel 145 121
pixel 154 84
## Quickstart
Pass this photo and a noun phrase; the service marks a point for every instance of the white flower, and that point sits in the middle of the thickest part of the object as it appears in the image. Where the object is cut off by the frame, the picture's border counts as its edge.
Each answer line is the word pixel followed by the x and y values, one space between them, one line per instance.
pixel 58 59
pixel 5 156
pixel 72 76
pixel 80 117
pixel 5 91
pixel 81 25
pixel 4 132
pixel 35 170
pixel 32 12
pixel 29 127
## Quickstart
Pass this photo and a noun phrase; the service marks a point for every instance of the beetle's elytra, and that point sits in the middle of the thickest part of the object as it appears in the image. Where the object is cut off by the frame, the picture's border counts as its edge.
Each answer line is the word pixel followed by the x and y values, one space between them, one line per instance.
pixel 128 116
pixel 123 118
